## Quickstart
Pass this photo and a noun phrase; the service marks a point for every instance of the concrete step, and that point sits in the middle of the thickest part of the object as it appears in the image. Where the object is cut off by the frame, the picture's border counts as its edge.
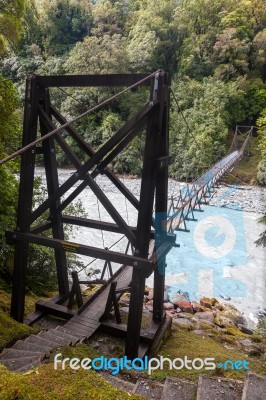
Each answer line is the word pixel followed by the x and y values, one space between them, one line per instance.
pixel 28 346
pixel 15 353
pixel 40 341
pixel 117 382
pixel 214 388
pixel 254 387
pixel 54 338
pixel 15 364
pixel 148 389
pixel 76 329
pixel 28 366
pixel 66 334
pixel 175 388
pixel 62 335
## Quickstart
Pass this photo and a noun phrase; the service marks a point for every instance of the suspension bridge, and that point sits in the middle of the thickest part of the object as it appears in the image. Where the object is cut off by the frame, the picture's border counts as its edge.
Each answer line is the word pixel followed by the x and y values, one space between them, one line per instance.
pixel 159 216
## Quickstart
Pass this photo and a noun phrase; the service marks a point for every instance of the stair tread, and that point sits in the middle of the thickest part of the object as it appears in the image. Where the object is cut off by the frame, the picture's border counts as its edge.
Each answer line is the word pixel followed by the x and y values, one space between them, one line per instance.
pixel 16 353
pixel 76 329
pixel 23 345
pixel 67 332
pixel 117 382
pixel 27 367
pixel 65 336
pixel 148 389
pixel 175 388
pixel 219 388
pixel 254 387
pixel 14 364
pixel 40 340
pixel 56 339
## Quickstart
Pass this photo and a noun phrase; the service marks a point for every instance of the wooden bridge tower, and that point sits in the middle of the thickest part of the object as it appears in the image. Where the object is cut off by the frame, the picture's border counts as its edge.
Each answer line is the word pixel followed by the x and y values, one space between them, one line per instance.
pixel 148 238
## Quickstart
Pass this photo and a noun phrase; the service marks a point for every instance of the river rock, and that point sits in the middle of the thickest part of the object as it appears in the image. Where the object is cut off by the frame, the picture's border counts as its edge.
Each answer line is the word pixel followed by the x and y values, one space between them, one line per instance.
pixel 171 313
pixel 150 295
pixel 244 329
pixel 182 321
pixel 205 315
pixel 149 303
pixel 168 306
pixel 206 302
pixel 232 313
pixel 179 298
pixel 197 307
pixel 218 306
pixel 224 322
pixel 186 307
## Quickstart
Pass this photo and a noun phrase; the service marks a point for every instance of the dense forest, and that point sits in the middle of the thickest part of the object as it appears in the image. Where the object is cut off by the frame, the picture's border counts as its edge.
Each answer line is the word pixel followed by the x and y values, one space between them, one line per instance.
pixel 215 52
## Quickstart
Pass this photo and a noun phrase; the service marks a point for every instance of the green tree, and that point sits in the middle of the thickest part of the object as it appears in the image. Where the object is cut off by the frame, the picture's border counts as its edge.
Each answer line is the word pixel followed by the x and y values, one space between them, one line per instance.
pixel 208 108
pixel 261 123
pixel 10 130
pixel 11 14
pixel 11 18
pixel 152 36
pixel 63 23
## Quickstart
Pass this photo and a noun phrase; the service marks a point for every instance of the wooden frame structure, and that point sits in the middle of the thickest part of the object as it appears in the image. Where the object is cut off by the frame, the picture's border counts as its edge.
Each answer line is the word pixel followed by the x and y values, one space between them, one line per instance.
pixel 149 240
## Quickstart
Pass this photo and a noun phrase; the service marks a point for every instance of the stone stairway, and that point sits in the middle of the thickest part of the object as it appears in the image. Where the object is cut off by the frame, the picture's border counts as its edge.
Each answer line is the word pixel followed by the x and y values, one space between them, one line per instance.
pixel 29 353
pixel 207 388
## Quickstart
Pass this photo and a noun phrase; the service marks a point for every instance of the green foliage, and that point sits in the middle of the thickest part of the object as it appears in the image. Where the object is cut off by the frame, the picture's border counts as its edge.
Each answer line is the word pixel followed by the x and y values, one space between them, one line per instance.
pixel 208 108
pixel 106 54
pixel 50 384
pixel 10 330
pixel 9 139
pixel 261 122
pixel 11 16
pixel 63 24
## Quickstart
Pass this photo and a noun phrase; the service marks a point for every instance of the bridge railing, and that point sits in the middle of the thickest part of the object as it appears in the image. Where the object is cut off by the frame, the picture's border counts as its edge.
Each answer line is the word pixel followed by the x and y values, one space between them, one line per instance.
pixel 193 195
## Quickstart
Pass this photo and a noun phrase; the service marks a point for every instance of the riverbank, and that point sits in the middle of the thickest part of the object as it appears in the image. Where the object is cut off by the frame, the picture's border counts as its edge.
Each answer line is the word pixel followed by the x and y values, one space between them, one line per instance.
pixel 238 277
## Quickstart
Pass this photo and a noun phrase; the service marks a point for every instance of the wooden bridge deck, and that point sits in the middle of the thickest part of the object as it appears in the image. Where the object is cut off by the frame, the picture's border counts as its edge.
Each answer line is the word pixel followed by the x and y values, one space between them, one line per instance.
pixel 88 318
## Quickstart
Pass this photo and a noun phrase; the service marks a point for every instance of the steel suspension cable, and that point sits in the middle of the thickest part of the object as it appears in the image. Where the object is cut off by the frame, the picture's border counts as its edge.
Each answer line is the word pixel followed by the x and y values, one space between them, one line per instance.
pixel 109 248
pixel 60 128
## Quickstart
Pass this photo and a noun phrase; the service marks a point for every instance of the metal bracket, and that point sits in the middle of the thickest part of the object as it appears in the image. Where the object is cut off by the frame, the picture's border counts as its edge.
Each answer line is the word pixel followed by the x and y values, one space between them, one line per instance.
pixel 155 90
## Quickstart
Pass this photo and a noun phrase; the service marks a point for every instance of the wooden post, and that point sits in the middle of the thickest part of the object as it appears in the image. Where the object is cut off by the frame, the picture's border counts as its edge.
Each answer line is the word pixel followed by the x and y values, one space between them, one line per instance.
pixel 52 186
pixel 25 199
pixel 151 154
pixel 161 205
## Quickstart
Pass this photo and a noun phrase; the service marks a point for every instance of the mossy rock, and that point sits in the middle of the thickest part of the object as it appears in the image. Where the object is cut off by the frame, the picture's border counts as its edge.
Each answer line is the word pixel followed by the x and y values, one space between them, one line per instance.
pixel 229 311
pixel 236 332
pixel 214 300
pixel 256 338
pixel 224 322
pixel 11 331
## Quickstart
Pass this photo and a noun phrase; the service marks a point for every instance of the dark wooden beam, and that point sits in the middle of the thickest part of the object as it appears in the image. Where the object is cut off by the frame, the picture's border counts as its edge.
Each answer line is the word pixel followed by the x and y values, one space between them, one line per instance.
pixel 91 223
pixel 87 148
pixel 90 181
pixel 144 224
pixel 42 227
pixel 54 309
pixel 107 80
pixel 120 330
pixel 94 160
pixel 51 172
pixel 25 199
pixel 161 205
pixel 94 252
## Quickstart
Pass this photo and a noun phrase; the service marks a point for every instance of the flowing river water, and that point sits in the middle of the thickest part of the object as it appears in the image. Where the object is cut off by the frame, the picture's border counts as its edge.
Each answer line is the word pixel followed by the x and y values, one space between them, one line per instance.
pixel 216 258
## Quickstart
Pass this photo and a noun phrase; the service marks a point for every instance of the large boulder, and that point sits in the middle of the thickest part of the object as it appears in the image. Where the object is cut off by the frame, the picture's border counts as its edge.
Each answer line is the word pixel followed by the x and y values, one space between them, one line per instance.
pixel 232 313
